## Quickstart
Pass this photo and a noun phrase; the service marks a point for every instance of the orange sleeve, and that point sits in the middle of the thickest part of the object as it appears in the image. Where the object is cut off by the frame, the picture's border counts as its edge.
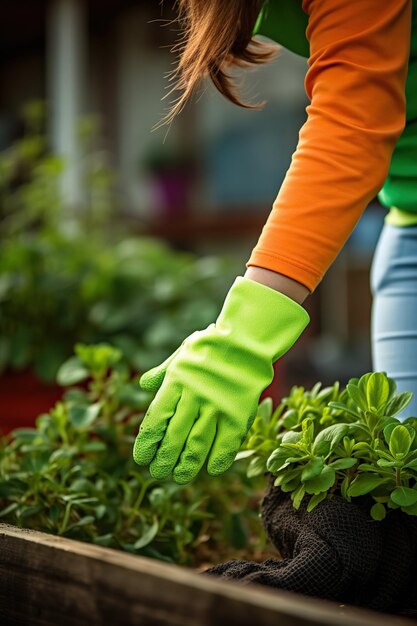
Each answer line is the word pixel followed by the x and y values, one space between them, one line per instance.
pixel 358 65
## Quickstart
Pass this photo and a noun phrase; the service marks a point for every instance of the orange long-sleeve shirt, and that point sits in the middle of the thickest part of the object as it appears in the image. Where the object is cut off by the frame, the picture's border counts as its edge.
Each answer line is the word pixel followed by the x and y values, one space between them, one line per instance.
pixel 358 62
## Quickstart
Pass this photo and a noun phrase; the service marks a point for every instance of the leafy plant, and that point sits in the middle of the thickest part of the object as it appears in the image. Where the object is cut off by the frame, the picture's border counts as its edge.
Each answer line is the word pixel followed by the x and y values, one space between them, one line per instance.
pixel 327 441
pixel 70 276
pixel 163 160
pixel 73 475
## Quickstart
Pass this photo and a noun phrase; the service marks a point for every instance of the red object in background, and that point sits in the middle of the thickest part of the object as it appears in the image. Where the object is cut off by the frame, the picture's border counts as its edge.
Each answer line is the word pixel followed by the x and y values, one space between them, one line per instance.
pixel 23 397
pixel 276 390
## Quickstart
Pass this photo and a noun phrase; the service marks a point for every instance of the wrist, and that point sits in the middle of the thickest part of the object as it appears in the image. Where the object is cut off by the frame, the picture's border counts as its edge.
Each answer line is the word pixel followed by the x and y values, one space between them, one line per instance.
pixel 289 287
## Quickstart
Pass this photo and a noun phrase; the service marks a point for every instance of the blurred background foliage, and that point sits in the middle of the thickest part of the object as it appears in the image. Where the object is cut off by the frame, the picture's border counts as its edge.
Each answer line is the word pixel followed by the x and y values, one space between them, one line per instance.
pixel 84 277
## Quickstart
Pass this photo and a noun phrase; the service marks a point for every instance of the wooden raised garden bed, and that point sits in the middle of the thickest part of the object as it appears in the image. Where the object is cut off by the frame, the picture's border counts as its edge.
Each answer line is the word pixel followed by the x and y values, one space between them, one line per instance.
pixel 47 580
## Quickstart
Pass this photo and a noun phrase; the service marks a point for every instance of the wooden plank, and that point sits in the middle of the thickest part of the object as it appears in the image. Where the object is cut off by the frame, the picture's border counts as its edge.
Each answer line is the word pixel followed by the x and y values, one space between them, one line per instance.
pixel 51 581
pixel 247 222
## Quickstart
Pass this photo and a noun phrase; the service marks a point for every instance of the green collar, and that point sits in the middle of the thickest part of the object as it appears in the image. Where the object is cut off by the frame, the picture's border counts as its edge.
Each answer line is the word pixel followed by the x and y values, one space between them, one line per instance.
pixel 285 22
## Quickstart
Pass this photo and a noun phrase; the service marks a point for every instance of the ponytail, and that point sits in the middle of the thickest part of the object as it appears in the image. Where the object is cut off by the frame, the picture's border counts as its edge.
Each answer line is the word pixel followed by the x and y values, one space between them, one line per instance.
pixel 216 34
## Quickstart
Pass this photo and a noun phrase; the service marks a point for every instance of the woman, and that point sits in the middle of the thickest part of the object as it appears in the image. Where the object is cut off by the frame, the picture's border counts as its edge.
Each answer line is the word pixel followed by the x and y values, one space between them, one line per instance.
pixel 354 145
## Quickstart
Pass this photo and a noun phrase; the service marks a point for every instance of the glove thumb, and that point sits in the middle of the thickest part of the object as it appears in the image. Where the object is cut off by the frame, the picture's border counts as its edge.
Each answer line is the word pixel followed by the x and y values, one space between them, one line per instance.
pixel 153 378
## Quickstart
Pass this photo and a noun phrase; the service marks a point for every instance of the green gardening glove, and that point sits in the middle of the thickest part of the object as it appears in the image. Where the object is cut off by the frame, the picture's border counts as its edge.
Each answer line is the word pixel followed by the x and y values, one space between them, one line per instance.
pixel 208 390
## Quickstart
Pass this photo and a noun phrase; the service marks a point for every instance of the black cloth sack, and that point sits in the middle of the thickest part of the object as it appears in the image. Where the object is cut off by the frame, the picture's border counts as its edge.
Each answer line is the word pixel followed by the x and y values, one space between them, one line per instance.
pixel 335 552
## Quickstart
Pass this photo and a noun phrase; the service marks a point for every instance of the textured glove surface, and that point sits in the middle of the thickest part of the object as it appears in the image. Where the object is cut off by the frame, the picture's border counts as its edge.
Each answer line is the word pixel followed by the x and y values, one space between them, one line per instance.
pixel 208 390
pixel 336 552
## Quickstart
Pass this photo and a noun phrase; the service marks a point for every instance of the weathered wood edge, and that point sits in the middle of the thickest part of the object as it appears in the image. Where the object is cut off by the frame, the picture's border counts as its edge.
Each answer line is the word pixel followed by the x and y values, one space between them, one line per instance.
pixel 51 578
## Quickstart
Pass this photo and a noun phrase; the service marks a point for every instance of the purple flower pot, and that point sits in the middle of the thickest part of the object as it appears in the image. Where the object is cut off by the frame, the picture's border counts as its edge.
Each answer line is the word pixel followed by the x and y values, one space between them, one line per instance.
pixel 171 193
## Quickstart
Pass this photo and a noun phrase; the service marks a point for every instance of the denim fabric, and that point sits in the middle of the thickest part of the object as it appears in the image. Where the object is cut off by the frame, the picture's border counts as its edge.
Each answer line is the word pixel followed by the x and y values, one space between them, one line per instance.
pixel 394 311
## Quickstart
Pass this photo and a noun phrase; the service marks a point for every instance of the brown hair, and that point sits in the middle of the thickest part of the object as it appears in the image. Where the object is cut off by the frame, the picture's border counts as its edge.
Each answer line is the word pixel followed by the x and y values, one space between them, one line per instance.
pixel 216 34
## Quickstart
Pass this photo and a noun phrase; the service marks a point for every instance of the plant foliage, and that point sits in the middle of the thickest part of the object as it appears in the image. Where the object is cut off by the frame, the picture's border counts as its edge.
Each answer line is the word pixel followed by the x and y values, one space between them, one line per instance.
pixel 349 442
pixel 73 475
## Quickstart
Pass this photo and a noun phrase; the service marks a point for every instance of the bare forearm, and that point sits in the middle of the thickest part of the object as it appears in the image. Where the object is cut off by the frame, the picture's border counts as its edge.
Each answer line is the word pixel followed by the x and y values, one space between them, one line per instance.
pixel 289 287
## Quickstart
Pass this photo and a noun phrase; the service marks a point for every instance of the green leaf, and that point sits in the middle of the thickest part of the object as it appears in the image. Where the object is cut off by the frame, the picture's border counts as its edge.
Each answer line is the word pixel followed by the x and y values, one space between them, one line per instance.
pixel 290 418
pixel 378 511
pixel 389 428
pixel 297 496
pixel 96 445
pixel 312 468
pixel 410 510
pixel 392 505
pixel 290 485
pixel 398 403
pixel 9 509
pixel 131 396
pixel 100 511
pixel 148 536
pixel 377 390
pixel 315 500
pixel 27 435
pixel 297 459
pixel 404 496
pixel 256 467
pixel 71 372
pixel 286 478
pixel 277 460
pixel 265 410
pixel 362 382
pixel 357 396
pixel 342 407
pixel 348 444
pixel 343 463
pixel 314 392
pixel 83 415
pixel 322 482
pixel 364 483
pixel 244 454
pixel 385 455
pixel 412 455
pixel 84 521
pixel 307 427
pixel 291 437
pixel 29 511
pixel 104 540
pixel 362 446
pixel 385 463
pixel 400 441
pixel 343 487
pixel 328 439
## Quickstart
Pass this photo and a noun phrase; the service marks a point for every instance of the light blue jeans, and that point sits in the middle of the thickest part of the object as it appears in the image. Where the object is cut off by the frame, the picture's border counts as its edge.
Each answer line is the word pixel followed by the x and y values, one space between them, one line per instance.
pixel 394 309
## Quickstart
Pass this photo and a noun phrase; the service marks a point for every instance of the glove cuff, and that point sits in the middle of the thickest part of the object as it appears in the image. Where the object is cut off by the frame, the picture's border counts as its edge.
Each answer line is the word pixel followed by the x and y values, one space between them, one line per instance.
pixel 264 317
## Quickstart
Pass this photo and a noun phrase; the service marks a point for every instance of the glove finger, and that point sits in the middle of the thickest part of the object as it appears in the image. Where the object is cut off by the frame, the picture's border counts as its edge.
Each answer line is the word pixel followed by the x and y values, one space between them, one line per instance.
pixel 155 422
pixel 196 449
pixel 226 446
pixel 175 436
pixel 153 378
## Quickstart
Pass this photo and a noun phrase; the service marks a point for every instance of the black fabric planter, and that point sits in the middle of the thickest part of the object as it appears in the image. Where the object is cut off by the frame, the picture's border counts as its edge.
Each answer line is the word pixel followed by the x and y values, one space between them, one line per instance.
pixel 336 552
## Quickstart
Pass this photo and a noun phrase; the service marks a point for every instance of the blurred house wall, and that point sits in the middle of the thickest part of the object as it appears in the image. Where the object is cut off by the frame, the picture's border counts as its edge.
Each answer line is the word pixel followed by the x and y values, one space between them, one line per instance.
pixel 112 57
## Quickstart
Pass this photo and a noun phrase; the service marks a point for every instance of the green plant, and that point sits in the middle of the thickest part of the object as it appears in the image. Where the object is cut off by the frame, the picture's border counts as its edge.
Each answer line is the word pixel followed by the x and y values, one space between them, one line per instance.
pixel 70 277
pixel 324 441
pixel 164 160
pixel 73 475
pixel 57 289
